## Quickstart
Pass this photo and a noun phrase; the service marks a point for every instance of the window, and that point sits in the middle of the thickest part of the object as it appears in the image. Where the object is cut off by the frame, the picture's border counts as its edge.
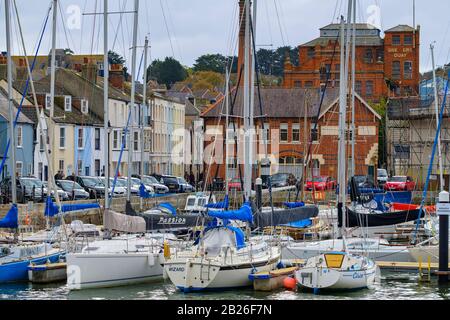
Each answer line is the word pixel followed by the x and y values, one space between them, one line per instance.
pixel 115 139
pixel 380 55
pixel 97 168
pixel 80 167
pixel 48 101
pixel 124 140
pixel 136 141
pixel 369 88
pixel 396 40
pixel 368 56
pixel 61 165
pixel 284 132
pixel 297 84
pixel 84 106
pixel 396 72
pixel 314 132
pixel 231 132
pixel 41 142
pixel 67 103
pixel 97 138
pixel 40 171
pixel 87 171
pixel 408 40
pixel 311 53
pixel 80 138
pixel 62 138
pixel 19 136
pixel 358 87
pixel 19 168
pixel 295 132
pixel 407 70
pixel 308 84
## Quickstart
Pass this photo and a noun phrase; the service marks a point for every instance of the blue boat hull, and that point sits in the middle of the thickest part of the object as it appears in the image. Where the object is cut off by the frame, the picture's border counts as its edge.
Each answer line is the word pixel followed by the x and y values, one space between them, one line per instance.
pixel 18 271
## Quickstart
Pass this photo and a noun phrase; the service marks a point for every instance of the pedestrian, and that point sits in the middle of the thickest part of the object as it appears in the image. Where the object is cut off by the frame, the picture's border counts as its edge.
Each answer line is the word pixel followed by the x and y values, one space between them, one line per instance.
pixel 186 176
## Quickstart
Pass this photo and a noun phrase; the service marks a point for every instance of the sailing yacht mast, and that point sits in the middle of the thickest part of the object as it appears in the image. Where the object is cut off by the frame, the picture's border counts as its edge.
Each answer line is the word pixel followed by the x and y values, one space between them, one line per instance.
pixel 10 104
pixel 133 91
pixel 227 121
pixel 248 116
pixel 52 91
pixel 144 107
pixel 436 107
pixel 342 124
pixel 352 101
pixel 106 101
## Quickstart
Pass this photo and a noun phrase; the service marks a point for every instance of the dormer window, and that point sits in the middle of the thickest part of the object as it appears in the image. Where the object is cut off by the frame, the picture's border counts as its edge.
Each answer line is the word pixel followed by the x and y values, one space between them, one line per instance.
pixel 67 103
pixel 84 106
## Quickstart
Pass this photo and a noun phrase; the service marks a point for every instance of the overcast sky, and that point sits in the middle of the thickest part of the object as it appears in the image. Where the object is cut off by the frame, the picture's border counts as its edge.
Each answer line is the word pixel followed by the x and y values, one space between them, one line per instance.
pixel 187 29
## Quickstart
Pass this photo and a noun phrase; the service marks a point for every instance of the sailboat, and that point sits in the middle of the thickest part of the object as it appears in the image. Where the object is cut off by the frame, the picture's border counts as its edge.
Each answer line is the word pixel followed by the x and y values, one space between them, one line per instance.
pixel 339 269
pixel 222 257
pixel 15 258
pixel 134 256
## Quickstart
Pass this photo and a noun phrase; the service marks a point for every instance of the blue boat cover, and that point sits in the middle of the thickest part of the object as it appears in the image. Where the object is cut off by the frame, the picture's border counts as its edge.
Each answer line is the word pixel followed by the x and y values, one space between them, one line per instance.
pixel 299 224
pixel 219 205
pixel 11 218
pixel 143 193
pixel 392 196
pixel 242 214
pixel 167 205
pixel 292 205
pixel 52 210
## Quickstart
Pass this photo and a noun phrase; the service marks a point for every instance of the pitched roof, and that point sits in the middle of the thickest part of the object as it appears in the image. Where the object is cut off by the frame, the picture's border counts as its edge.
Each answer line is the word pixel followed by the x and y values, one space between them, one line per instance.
pixel 401 28
pixel 285 103
pixel 4 108
pixel 278 102
pixel 360 41
pixel 359 26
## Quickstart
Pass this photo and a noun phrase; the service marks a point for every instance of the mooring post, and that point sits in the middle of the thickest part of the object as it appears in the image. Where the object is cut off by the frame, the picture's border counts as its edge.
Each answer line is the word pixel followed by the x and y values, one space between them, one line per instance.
pixel 258 184
pixel 443 211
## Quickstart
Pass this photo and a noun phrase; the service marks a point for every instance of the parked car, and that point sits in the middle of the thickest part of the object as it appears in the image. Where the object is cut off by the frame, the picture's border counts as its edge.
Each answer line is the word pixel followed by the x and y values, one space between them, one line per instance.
pixel 321 183
pixel 170 182
pixel 28 189
pixel 120 189
pixel 382 177
pixel 93 185
pixel 63 195
pixel 184 186
pixel 150 181
pixel 73 189
pixel 282 180
pixel 400 183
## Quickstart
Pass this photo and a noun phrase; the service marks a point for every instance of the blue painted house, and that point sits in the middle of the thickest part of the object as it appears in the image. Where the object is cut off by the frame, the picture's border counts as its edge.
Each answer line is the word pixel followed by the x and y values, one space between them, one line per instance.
pixel 24 136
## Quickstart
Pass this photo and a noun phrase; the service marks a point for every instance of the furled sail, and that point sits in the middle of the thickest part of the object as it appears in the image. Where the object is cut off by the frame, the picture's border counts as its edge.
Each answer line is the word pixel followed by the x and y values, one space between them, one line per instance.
pixel 52 210
pixel 219 205
pixel 243 214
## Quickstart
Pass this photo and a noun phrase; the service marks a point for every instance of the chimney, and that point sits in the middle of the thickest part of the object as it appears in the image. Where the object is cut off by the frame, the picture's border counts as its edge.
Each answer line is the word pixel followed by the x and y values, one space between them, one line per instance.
pixel 116 78
pixel 3 66
pixel 89 70
pixel 21 70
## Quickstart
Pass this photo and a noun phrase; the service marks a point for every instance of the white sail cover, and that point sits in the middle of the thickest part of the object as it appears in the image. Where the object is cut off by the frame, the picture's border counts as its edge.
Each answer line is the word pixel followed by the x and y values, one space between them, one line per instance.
pixel 123 223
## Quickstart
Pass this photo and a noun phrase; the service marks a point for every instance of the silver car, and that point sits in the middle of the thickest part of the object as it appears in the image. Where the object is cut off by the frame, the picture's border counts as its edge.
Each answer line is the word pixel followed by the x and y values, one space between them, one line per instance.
pixel 157 186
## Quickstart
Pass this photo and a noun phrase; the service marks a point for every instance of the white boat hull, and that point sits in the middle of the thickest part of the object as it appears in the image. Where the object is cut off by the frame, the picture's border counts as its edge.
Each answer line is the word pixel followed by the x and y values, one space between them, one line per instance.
pixel 107 270
pixel 192 275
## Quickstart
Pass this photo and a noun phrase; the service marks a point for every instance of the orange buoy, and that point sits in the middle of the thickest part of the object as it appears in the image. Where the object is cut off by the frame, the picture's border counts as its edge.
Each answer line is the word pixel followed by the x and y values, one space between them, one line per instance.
pixel 289 283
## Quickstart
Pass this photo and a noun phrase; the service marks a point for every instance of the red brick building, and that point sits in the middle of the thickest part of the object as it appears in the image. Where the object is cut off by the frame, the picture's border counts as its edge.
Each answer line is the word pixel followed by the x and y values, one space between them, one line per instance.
pixel 384 66
pixel 283 113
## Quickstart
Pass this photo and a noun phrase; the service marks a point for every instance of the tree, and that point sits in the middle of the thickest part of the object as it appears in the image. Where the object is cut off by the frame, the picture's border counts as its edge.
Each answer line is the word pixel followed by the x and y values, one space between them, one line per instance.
pixel 215 63
pixel 271 62
pixel 167 72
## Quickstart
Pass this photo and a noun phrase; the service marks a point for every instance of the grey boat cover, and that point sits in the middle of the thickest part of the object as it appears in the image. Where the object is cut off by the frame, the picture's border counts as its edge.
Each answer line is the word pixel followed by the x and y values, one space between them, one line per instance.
pixel 279 217
pixel 357 219
pixel 123 223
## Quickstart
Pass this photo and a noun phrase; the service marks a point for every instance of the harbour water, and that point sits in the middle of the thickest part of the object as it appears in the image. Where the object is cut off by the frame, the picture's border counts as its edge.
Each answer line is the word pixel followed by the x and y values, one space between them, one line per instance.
pixel 393 286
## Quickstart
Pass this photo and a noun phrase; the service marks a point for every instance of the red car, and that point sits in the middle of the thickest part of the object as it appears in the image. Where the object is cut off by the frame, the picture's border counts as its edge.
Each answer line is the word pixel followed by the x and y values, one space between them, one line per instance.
pixel 234 184
pixel 400 183
pixel 321 183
